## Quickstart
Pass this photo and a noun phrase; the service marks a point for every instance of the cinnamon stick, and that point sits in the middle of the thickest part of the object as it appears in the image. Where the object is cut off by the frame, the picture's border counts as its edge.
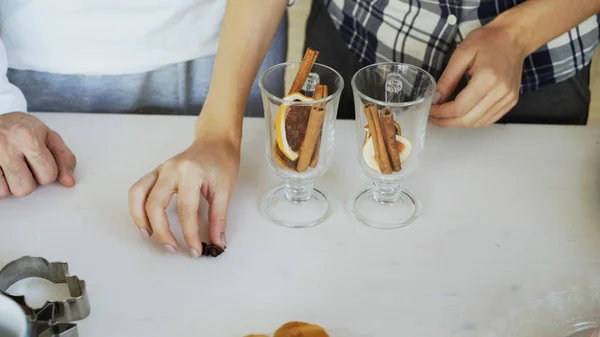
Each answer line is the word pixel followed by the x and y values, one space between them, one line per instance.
pixel 313 132
pixel 320 92
pixel 371 126
pixel 381 155
pixel 315 157
pixel 389 132
pixel 310 57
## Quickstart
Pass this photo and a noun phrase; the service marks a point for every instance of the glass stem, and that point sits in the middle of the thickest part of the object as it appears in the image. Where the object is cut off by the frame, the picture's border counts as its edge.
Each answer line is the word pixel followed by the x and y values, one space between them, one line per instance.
pixel 386 192
pixel 298 190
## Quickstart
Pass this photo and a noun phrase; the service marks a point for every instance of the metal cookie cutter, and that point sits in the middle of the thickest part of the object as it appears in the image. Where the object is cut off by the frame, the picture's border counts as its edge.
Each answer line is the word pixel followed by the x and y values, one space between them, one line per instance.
pixel 54 319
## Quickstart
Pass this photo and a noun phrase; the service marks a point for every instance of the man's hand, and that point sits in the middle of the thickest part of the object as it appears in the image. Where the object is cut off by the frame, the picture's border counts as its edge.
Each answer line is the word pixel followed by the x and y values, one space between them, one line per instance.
pixel 492 56
pixel 31 154
pixel 208 168
pixel 493 59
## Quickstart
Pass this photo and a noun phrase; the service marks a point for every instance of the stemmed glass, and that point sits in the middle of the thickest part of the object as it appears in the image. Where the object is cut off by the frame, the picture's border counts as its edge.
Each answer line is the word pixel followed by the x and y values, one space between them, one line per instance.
pixel 300 133
pixel 392 103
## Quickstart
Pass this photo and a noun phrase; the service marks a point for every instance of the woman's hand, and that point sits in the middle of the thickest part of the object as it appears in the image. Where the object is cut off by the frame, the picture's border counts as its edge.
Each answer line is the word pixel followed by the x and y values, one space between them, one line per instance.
pixel 208 168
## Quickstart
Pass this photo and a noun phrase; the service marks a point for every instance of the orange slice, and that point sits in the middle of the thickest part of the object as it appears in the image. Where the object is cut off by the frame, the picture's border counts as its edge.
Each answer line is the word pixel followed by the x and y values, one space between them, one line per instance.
pixel 300 329
pixel 368 152
pixel 289 124
pixel 404 148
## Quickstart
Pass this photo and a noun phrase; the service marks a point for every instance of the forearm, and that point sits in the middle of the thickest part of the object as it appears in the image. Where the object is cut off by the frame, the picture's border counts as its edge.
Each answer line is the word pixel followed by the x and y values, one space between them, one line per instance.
pixel 11 98
pixel 536 22
pixel 246 34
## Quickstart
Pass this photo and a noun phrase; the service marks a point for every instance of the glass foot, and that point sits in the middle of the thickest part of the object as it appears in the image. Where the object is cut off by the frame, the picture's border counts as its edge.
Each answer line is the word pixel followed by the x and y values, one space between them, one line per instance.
pixel 387 211
pixel 285 206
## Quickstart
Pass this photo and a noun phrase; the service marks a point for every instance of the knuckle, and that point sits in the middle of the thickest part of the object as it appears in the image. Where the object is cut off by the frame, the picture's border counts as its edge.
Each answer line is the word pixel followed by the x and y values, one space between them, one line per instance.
pixel 490 75
pixel 187 211
pixel 46 178
pixel 151 206
pixel 190 236
pixel 221 220
pixel 505 88
pixel 444 81
pixel 461 108
pixel 154 206
pixel 135 191
pixel 137 218
pixel 24 135
pixel 4 142
pixel 462 48
pixel 188 166
pixel 70 157
pixel 167 166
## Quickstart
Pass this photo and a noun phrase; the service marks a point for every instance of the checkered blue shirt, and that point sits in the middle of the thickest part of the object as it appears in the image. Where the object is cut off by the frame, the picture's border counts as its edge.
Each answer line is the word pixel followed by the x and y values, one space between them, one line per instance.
pixel 423 32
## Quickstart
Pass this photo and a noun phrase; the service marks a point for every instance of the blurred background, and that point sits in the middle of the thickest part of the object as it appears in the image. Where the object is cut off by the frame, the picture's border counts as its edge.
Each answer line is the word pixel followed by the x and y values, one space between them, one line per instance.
pixel 299 12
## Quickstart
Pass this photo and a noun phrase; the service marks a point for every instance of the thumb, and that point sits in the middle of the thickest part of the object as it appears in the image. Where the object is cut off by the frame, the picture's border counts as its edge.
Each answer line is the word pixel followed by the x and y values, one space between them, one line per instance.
pixel 459 63
pixel 217 219
pixel 65 159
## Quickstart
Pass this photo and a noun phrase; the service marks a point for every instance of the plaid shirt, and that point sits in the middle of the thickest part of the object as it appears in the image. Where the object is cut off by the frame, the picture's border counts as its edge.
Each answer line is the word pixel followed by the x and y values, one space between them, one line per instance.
pixel 423 33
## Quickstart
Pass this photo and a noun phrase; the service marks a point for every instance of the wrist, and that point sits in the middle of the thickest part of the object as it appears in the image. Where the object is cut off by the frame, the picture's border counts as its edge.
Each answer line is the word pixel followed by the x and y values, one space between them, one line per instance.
pixel 516 30
pixel 220 122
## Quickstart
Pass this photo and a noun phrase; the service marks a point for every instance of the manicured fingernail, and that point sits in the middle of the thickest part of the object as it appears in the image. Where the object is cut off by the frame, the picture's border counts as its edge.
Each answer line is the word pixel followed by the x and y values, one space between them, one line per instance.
pixel 436 98
pixel 170 249
pixel 194 252
pixel 145 233
pixel 223 240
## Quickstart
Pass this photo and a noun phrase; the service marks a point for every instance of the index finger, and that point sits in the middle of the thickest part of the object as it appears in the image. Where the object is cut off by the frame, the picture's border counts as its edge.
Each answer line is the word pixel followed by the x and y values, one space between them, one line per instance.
pixel 457 66
pixel 156 209
pixel 477 89
pixel 138 194
pixel 65 159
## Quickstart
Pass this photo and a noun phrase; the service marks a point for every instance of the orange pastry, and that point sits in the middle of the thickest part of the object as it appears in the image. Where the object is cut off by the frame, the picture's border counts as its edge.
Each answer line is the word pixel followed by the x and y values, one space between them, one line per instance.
pixel 300 329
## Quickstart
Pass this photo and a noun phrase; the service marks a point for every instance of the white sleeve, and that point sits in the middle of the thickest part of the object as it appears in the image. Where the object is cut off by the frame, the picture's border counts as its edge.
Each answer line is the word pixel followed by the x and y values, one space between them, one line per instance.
pixel 11 98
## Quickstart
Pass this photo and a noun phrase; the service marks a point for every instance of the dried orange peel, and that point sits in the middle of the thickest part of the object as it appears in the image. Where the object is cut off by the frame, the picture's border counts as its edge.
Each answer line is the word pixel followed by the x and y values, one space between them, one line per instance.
pixel 297 329
pixel 300 329
pixel 280 123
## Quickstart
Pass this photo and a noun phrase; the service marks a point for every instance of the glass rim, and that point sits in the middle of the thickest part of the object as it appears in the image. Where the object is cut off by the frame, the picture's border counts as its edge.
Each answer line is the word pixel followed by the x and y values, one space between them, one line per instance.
pixel 280 100
pixel 401 104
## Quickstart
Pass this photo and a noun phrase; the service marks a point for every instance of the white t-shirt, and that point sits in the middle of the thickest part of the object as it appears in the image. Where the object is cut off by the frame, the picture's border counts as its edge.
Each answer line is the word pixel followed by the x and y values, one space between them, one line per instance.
pixel 108 37
pixel 11 98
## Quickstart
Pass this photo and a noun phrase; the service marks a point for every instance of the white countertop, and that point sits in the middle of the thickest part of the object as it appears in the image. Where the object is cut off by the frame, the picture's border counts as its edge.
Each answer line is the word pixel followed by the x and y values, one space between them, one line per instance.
pixel 509 212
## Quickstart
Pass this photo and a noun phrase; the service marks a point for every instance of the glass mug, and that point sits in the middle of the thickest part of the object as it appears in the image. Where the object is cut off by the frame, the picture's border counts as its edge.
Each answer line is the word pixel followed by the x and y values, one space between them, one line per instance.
pixel 300 130
pixel 392 103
